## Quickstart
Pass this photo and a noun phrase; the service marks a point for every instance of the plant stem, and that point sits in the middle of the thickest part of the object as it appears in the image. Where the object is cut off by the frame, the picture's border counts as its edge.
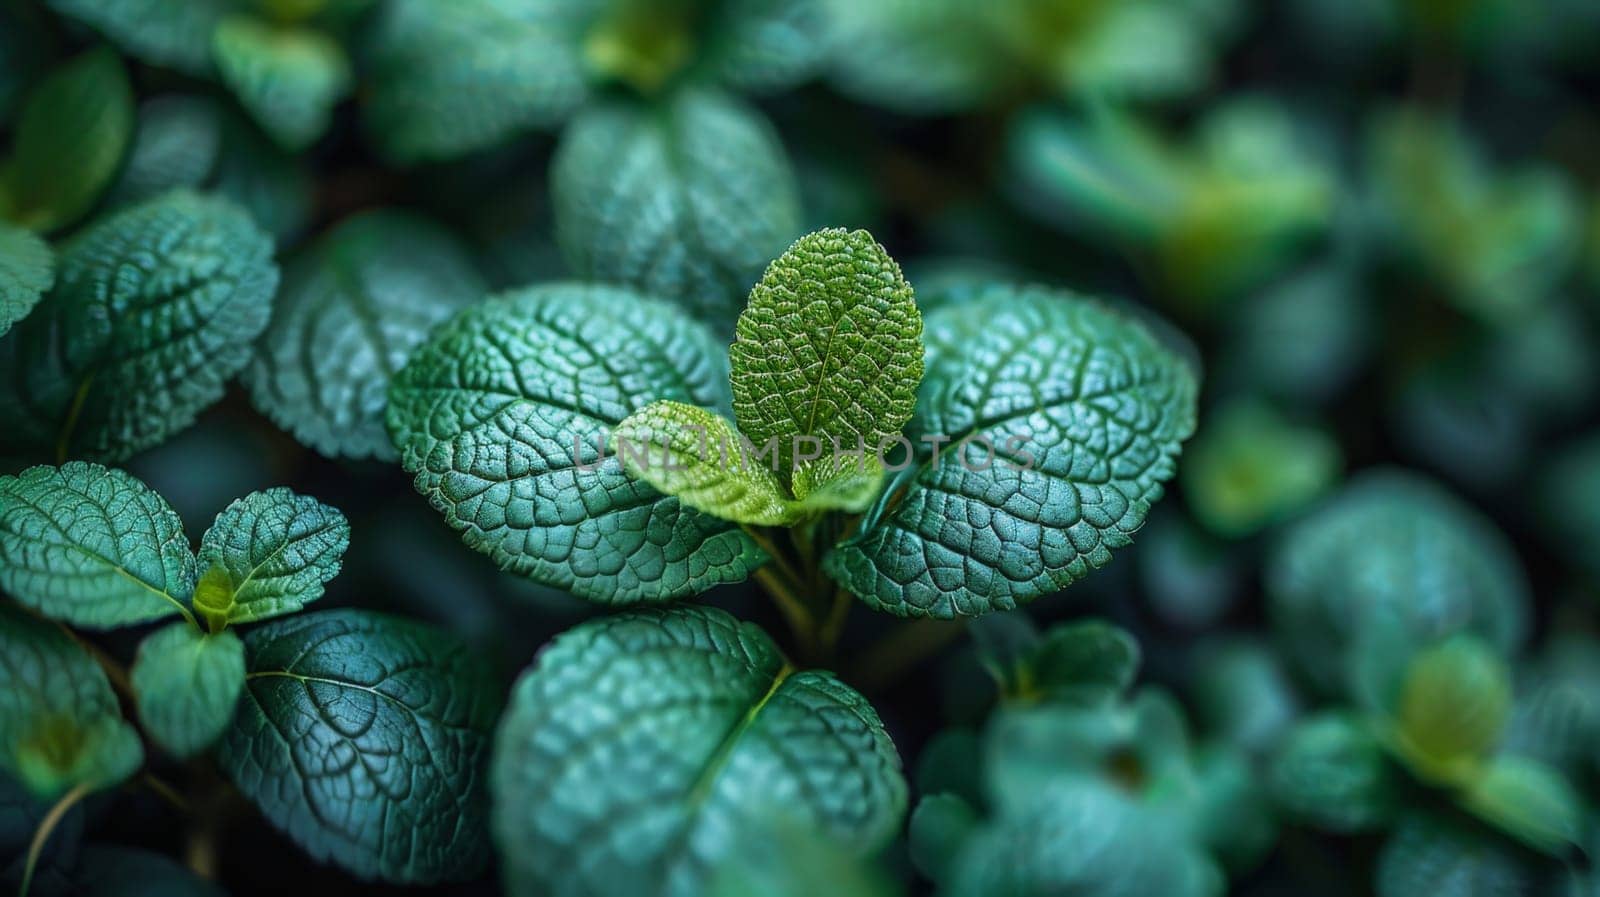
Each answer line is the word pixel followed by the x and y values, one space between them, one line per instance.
pixel 114 670
pixel 167 793
pixel 47 825
pixel 902 650
pixel 794 610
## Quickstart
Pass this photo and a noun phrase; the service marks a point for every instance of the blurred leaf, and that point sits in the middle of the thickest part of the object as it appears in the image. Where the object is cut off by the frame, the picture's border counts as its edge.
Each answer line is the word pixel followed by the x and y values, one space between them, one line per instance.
pixel 1243 693
pixel 1428 855
pixel 20 815
pixel 1089 659
pixel 1005 643
pixel 1529 801
pixel 351 311
pixel 176 144
pixel 187 684
pixel 1569 502
pixel 60 726
pixel 1250 467
pixel 1391 546
pixel 1189 577
pixel 1234 812
pixel 687 201
pixel 27 271
pixel 940 825
pixel 106 871
pixel 919 56
pixel 779 856
pixel 288 78
pixel 952 762
pixel 174 33
pixel 1303 339
pixel 274 187
pixel 70 139
pixel 1453 706
pixel 154 310
pixel 1331 771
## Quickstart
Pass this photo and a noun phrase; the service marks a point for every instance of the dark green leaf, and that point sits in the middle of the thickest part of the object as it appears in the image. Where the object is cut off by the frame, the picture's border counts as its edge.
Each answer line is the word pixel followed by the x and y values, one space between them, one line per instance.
pixel 1331 771
pixel 349 315
pixel 940 825
pixel 829 347
pixel 27 269
pixel 60 726
pixel 20 815
pixel 175 33
pixel 277 548
pixel 686 201
pixel 106 871
pixel 365 738
pixel 69 142
pixel 177 144
pixel 1060 418
pixel 154 310
pixel 1091 659
pixel 717 730
pixel 187 684
pixel 501 411
pixel 288 77
pixel 92 546
pixel 1434 856
pixel 273 186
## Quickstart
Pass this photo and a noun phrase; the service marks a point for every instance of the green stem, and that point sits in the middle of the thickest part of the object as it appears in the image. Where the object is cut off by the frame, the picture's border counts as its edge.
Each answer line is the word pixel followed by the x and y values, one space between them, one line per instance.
pixel 794 610
pixel 47 825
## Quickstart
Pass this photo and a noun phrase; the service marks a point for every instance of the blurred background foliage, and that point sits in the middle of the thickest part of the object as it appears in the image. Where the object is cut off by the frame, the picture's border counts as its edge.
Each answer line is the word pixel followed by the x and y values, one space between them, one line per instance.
pixel 1363 654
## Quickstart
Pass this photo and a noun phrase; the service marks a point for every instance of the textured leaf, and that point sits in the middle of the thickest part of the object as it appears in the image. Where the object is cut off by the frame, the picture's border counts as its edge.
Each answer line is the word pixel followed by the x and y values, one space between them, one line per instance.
pixel 697 456
pixel 288 78
pixel 1397 547
pixel 176 144
pixel 1083 835
pixel 830 347
pixel 27 269
pixel 59 722
pixel 349 315
pixel 108 871
pixel 154 309
pixel 501 411
pixel 687 201
pixel 453 76
pixel 1529 801
pixel 1082 397
pixel 278 549
pixel 1331 771
pixel 365 738
pixel 187 684
pixel 1452 708
pixel 1433 856
pixel 175 33
pixel 838 482
pixel 74 128
pixel 718 731
pixel 92 546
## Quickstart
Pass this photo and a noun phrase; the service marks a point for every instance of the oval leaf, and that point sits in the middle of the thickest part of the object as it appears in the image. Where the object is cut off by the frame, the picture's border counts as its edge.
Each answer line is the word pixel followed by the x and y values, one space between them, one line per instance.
pixel 175 33
pixel 1331 771
pixel 154 310
pixel 288 78
pixel 92 546
pixel 69 142
pixel 716 731
pixel 277 548
pixel 349 315
pixel 829 347
pixel 59 722
pixel 187 684
pixel 1058 420
pixel 503 415
pixel 697 456
pixel 686 202
pixel 365 737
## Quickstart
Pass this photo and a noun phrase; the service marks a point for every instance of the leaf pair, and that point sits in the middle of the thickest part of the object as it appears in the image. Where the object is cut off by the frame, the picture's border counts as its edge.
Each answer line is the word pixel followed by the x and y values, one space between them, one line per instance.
pixel 826 362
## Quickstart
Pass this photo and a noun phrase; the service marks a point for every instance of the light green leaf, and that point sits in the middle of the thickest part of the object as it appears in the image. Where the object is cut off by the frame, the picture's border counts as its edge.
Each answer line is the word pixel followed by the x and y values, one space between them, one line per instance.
pixel 838 482
pixel 452 76
pixel 698 457
pixel 176 144
pixel 941 823
pixel 365 738
pixel 174 33
pixel 1331 771
pixel 1453 706
pixel 829 347
pixel 1441 857
pixel 717 728
pixel 187 684
pixel 70 139
pixel 287 77
pixel 92 546
pixel 27 270
pixel 1058 420
pixel 60 726
pixel 1086 833
pixel 1251 467
pixel 349 315
pixel 1529 801
pixel 1391 546
pixel 154 310
pixel 686 200
pixel 106 871
pixel 277 550
pixel 782 856
pixel 502 417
